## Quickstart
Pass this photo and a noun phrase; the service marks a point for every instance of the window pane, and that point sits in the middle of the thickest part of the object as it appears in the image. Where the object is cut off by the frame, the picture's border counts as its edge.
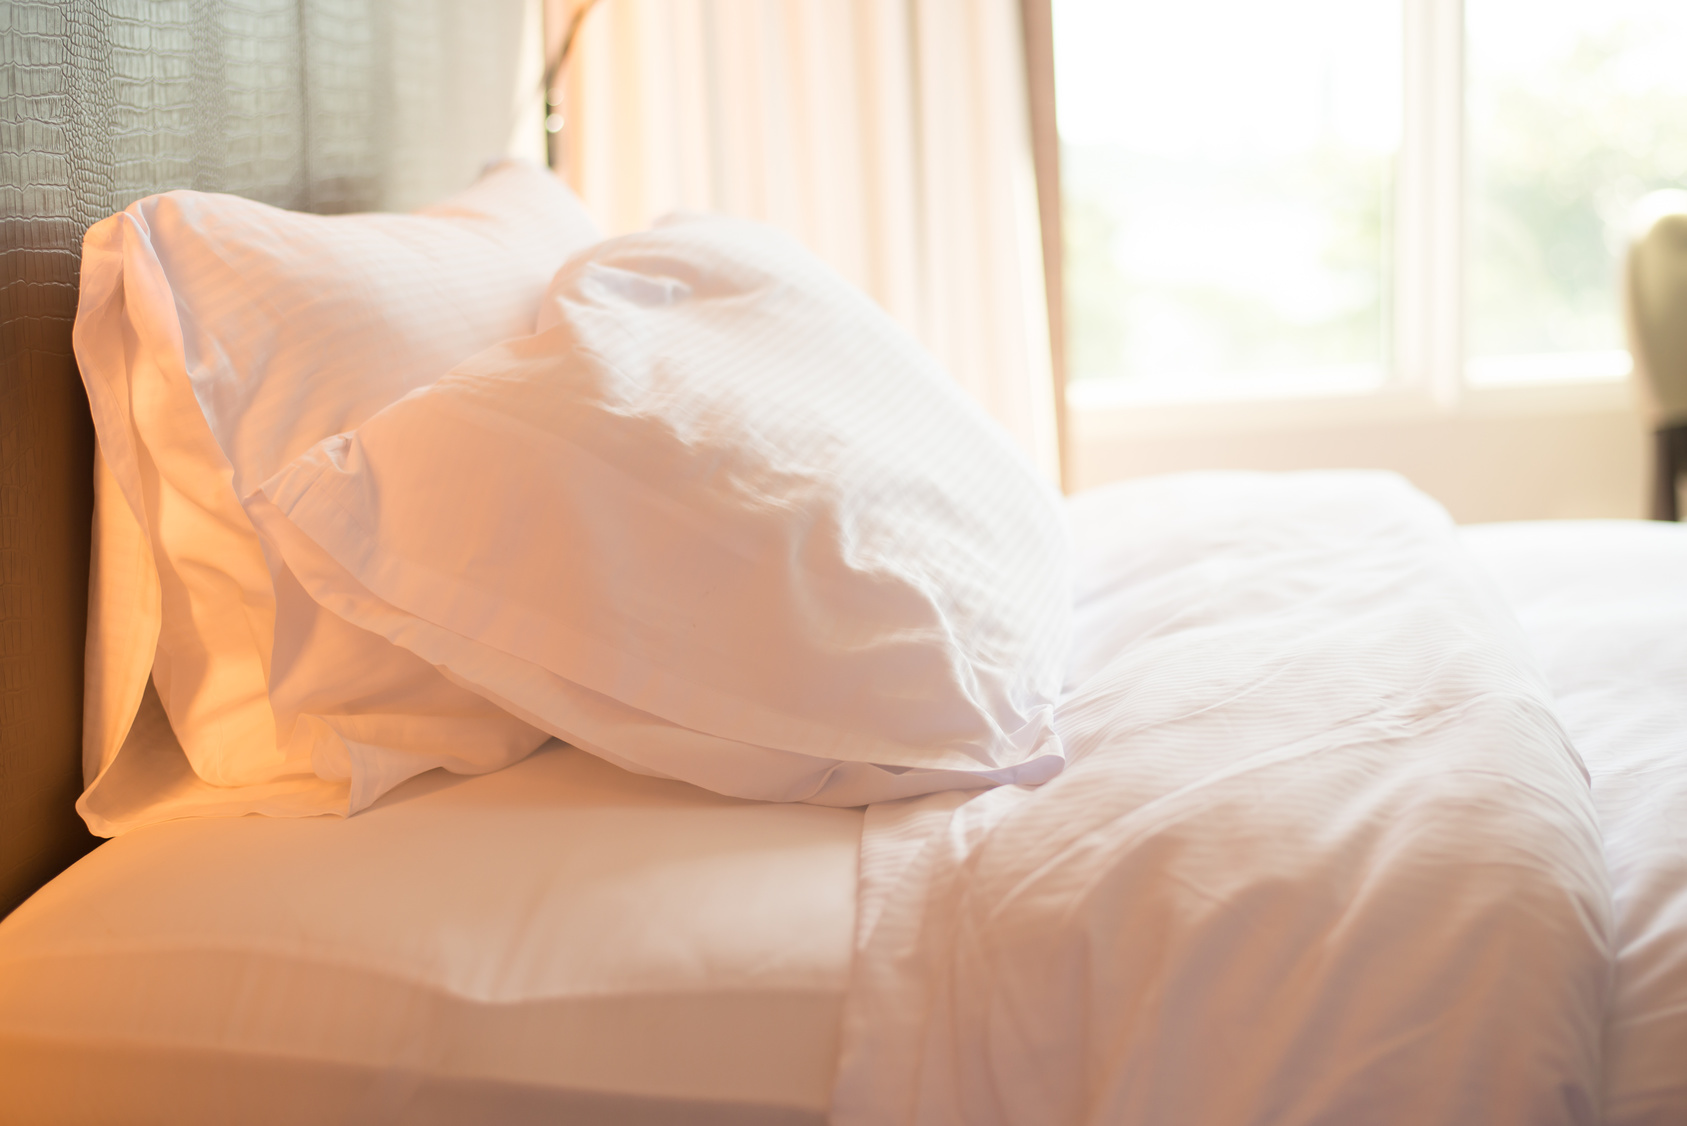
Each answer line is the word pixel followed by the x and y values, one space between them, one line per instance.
pixel 1227 172
pixel 1576 110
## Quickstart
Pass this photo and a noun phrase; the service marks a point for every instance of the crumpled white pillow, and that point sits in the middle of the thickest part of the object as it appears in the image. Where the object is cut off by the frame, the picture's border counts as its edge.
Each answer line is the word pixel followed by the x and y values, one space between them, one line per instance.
pixel 720 520
pixel 219 338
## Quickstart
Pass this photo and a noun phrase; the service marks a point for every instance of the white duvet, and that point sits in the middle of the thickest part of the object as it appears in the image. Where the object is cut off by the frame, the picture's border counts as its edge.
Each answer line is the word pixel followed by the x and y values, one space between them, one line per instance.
pixel 1324 853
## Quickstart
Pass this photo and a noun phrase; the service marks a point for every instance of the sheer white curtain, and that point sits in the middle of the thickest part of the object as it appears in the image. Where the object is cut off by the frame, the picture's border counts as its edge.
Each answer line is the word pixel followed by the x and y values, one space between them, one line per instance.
pixel 891 136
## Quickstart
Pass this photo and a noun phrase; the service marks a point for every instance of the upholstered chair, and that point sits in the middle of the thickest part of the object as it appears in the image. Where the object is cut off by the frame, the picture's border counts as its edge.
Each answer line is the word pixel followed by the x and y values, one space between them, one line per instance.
pixel 1657 327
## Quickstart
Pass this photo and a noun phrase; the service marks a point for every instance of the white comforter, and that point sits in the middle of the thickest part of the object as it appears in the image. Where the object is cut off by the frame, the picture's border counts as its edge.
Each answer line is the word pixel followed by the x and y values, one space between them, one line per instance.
pixel 1324 853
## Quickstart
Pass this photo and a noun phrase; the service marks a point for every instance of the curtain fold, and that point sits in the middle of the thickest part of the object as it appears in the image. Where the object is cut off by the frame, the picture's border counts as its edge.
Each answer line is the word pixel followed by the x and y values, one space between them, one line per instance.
pixel 891 136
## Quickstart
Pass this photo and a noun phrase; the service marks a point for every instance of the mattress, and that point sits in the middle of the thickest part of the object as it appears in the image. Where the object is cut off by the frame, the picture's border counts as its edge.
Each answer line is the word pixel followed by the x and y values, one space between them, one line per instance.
pixel 557 941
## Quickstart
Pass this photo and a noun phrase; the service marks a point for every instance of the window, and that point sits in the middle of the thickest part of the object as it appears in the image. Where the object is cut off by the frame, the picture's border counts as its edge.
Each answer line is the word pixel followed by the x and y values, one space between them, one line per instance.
pixel 1315 196
pixel 1575 112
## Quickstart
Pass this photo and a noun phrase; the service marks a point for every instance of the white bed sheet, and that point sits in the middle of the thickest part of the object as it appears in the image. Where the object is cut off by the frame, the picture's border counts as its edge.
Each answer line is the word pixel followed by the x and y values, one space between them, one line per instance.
pixel 558 941
pixel 1605 606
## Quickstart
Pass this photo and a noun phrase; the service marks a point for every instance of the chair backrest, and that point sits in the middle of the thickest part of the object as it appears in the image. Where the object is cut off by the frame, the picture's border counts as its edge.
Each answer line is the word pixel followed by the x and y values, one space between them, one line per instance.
pixel 1657 304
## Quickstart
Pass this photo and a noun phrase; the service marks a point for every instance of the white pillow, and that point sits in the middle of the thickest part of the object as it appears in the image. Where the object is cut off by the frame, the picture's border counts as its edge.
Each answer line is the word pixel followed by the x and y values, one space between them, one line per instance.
pixel 720 520
pixel 218 339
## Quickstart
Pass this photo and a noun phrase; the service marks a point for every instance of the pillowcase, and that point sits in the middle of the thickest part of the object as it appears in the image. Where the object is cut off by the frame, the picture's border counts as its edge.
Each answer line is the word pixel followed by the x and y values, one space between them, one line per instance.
pixel 218 339
pixel 720 520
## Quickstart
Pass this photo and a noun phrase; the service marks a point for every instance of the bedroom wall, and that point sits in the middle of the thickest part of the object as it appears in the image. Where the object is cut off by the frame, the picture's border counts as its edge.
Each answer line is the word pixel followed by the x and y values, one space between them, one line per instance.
pixel 1578 453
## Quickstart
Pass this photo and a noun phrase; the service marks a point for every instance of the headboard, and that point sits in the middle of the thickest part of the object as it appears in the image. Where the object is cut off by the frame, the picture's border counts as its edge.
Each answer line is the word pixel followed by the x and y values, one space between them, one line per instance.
pixel 320 105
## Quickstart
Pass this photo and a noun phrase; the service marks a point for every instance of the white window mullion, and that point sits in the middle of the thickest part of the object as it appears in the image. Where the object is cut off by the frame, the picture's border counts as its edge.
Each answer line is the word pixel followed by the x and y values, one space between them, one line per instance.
pixel 1429 225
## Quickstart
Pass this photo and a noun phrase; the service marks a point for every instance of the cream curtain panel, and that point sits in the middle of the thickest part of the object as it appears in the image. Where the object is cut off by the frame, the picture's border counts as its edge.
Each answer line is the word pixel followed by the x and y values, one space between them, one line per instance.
pixel 891 136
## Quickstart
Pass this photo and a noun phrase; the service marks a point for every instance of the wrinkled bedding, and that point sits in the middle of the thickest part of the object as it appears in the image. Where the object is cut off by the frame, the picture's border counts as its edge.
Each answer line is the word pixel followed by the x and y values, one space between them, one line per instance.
pixel 1324 852
pixel 1604 604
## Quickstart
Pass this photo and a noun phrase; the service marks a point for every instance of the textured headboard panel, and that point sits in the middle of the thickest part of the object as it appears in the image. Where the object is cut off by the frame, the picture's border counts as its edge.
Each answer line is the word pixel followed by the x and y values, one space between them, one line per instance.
pixel 322 105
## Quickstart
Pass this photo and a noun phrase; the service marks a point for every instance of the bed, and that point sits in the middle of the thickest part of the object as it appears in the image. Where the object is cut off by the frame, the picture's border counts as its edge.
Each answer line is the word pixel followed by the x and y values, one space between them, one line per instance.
pixel 1331 812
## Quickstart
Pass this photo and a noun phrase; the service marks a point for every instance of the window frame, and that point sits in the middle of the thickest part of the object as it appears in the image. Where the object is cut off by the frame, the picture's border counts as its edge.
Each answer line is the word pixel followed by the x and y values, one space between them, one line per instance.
pixel 1427 371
